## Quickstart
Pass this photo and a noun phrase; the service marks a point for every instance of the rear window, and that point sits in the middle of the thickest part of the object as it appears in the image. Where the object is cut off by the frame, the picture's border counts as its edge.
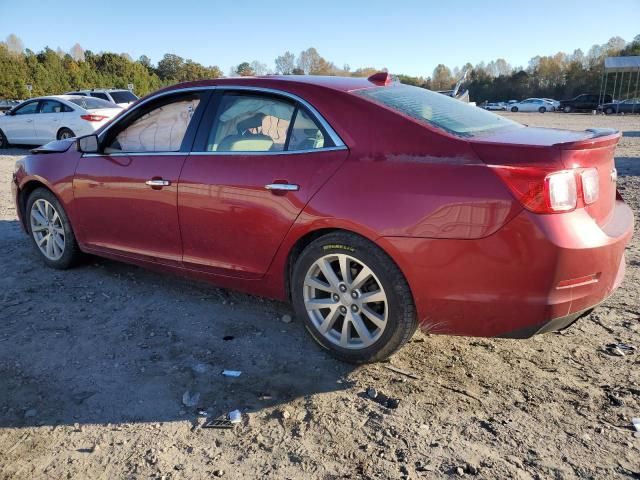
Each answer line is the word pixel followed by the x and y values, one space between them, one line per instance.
pixel 123 96
pixel 438 110
pixel 91 103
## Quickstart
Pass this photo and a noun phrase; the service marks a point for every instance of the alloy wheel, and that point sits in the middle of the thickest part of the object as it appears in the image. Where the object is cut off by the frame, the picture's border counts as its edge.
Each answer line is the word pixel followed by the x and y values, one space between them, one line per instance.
pixel 47 229
pixel 345 301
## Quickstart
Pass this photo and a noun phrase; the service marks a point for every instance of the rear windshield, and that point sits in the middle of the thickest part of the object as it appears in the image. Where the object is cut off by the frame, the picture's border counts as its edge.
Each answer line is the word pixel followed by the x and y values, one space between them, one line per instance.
pixel 123 96
pixel 442 111
pixel 91 103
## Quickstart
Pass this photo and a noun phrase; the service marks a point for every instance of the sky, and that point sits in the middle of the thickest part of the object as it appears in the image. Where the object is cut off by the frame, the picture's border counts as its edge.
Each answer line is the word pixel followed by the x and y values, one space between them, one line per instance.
pixel 409 37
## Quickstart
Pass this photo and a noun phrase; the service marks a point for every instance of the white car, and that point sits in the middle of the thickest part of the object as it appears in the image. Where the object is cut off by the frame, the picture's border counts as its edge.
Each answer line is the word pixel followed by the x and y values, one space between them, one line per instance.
pixel 40 120
pixel 532 105
pixel 495 106
pixel 555 103
pixel 124 98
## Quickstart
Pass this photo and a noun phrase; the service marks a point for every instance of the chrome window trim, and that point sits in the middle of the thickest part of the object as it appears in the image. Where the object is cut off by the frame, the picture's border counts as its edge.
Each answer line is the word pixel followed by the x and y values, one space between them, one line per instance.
pixel 287 152
pixel 335 138
pixel 135 154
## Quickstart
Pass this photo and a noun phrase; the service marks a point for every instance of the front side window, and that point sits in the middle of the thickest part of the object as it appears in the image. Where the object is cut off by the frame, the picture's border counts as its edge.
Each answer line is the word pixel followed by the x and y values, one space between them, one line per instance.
pixel 50 106
pixel 438 110
pixel 160 129
pixel 27 109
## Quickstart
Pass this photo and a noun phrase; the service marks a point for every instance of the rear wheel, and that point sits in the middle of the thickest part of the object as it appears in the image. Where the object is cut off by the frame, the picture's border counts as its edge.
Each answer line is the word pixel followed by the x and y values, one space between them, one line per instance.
pixel 514 109
pixel 608 111
pixel 542 109
pixel 50 230
pixel 4 143
pixel 65 133
pixel 353 299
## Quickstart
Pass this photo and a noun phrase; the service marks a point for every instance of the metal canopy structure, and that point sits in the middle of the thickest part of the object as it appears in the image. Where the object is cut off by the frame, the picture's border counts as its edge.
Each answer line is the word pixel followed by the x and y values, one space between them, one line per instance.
pixel 621 66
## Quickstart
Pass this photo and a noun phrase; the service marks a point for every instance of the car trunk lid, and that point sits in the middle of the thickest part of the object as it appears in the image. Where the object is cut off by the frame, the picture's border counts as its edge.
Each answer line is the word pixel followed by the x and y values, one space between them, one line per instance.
pixel 553 149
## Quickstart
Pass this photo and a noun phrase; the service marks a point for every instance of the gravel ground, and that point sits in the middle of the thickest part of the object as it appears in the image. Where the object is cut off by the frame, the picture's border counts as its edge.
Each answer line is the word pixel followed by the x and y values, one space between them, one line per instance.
pixel 94 363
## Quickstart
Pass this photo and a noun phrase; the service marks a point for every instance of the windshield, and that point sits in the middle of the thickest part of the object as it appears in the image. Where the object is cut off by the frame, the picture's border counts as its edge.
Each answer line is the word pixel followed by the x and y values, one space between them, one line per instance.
pixel 123 96
pixel 91 103
pixel 438 110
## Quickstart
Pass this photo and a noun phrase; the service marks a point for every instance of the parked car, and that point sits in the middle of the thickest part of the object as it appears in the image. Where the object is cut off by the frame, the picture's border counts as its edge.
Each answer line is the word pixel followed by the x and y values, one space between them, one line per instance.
pixel 495 106
pixel 374 207
pixel 586 101
pixel 532 105
pixel 41 120
pixel 6 105
pixel 554 103
pixel 121 97
pixel 630 105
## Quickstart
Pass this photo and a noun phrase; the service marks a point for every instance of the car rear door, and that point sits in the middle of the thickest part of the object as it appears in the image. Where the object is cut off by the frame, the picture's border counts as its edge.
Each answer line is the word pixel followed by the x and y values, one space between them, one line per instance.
pixel 125 198
pixel 48 121
pixel 19 127
pixel 257 160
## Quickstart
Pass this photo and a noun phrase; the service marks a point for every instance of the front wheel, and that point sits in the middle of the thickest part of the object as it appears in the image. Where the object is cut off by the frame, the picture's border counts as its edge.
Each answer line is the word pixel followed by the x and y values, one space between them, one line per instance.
pixel 50 230
pixel 514 109
pixel 353 298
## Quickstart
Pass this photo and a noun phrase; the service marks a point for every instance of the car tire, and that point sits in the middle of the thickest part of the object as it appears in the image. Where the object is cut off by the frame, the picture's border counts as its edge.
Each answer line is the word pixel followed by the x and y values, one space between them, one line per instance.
pixel 514 109
pixel 50 230
pixel 608 111
pixel 4 143
pixel 542 109
pixel 65 133
pixel 568 109
pixel 350 327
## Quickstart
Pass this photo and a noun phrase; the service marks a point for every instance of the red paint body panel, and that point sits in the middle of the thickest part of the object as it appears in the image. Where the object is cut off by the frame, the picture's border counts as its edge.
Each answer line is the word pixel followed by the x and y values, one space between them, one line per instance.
pixel 232 225
pixel 476 261
pixel 117 211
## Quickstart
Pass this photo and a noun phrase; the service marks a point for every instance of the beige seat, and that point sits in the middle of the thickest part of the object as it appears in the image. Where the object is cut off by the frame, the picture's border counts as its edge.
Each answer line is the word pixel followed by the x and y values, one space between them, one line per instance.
pixel 245 143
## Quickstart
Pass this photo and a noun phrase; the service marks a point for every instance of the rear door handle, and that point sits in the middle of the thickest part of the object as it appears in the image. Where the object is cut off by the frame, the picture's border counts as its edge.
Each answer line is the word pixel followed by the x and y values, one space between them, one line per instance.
pixel 158 183
pixel 282 187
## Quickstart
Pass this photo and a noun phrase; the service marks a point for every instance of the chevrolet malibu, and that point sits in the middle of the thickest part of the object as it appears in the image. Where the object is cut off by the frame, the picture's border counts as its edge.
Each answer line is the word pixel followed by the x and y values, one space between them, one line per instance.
pixel 374 207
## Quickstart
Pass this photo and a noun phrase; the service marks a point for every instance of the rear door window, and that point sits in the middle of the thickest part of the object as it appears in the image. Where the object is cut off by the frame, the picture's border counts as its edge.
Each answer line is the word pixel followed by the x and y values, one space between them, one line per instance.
pixel 50 106
pixel 100 95
pixel 437 110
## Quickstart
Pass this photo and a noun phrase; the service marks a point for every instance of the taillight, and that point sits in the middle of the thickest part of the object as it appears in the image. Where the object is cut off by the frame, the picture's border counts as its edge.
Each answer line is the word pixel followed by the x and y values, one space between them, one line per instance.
pixel 542 190
pixel 93 118
pixel 590 185
pixel 561 192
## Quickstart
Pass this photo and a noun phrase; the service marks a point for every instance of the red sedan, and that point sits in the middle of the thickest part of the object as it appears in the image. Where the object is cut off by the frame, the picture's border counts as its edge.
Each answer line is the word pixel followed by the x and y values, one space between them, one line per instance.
pixel 373 207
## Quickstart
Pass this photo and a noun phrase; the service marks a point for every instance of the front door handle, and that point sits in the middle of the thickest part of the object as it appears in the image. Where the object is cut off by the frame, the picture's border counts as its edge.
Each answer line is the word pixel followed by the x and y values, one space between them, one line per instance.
pixel 158 182
pixel 282 187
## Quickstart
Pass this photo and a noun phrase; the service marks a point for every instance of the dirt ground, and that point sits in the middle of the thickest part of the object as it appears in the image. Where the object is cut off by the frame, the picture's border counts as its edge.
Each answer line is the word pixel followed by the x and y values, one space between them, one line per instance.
pixel 94 363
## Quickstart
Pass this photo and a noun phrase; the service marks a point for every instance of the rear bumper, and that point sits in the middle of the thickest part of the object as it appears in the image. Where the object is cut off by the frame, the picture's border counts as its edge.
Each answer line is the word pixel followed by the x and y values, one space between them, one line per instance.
pixel 513 283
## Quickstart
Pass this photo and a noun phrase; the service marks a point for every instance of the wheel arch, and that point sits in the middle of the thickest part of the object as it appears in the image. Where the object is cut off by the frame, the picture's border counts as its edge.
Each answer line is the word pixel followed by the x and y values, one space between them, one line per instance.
pixel 26 190
pixel 303 241
pixel 61 129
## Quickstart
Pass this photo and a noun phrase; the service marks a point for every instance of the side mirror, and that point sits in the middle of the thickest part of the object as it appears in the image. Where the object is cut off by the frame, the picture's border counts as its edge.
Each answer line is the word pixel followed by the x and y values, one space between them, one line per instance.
pixel 88 144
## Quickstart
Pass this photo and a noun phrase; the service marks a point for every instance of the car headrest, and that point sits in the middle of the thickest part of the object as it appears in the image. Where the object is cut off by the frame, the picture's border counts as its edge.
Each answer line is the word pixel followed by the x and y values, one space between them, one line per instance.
pixel 251 122
pixel 245 143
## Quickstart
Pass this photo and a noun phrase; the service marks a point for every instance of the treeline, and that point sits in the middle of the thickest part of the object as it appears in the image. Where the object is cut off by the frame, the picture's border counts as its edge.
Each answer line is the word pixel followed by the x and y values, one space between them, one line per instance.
pixel 55 71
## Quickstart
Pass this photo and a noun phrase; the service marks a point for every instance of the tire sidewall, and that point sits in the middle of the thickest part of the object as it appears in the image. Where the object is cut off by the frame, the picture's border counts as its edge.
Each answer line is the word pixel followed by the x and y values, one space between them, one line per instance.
pixel 514 109
pixel 375 260
pixel 542 110
pixel 63 130
pixel 68 256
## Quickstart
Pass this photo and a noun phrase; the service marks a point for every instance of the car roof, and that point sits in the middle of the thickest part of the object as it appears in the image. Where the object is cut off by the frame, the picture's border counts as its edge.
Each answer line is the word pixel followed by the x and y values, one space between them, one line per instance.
pixel 343 84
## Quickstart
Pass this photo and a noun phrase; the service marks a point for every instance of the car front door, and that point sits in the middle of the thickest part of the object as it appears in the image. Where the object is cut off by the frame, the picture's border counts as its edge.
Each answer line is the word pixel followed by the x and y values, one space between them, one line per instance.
pixel 257 160
pixel 19 127
pixel 48 121
pixel 125 197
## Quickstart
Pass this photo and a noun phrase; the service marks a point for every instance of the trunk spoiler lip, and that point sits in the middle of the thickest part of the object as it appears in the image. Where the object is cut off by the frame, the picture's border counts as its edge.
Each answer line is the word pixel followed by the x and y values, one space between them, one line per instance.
pixel 57 146
pixel 601 137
